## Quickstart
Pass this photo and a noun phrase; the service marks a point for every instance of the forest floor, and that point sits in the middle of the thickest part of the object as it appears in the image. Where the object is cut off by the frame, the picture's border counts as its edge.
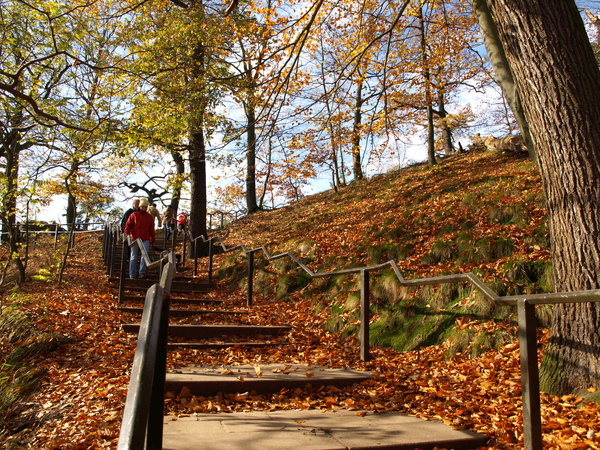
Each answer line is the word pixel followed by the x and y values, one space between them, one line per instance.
pixel 85 373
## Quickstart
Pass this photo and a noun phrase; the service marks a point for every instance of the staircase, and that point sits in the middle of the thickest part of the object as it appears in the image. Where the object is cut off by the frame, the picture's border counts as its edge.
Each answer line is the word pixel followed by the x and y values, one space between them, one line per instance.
pixel 199 321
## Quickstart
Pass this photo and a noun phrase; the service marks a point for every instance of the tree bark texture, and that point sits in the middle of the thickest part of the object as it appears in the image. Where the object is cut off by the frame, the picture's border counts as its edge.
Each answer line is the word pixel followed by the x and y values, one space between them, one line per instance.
pixel 198 185
pixel 251 204
pixel 558 82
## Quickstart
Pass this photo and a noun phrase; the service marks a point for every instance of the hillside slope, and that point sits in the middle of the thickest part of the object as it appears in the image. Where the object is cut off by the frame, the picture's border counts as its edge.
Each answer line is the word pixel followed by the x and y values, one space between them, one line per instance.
pixel 476 212
pixel 74 358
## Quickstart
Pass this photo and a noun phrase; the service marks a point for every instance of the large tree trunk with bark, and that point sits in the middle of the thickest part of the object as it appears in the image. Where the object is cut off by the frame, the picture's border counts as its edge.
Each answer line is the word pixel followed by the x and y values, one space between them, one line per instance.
pixel 558 82
pixel 198 185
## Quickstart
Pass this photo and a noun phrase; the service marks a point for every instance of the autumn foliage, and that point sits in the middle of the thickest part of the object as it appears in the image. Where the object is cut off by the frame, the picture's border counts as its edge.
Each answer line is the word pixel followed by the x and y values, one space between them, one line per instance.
pixel 84 375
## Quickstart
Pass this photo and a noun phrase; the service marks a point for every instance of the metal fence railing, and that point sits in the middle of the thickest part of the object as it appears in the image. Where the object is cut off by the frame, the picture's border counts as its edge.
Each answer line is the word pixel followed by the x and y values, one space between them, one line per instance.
pixel 525 304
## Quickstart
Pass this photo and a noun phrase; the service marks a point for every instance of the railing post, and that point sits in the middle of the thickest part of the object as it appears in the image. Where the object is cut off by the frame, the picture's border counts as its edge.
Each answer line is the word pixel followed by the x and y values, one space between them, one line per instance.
pixel 105 243
pixel 107 248
pixel 195 257
pixel 115 246
pixel 55 236
pixel 122 271
pixel 250 277
pixel 364 315
pixel 183 252
pixel 210 260
pixel 532 420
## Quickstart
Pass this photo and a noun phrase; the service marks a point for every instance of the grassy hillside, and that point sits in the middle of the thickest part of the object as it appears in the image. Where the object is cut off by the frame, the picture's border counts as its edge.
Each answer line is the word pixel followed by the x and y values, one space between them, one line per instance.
pixel 476 212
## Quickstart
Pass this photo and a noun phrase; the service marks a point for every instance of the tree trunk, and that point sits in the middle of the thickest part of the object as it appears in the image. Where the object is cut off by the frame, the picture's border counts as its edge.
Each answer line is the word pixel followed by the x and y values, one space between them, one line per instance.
pixel 180 169
pixel 198 185
pixel 444 127
pixel 558 82
pixel 197 150
pixel 428 97
pixel 356 133
pixel 71 209
pixel 9 203
pixel 502 70
pixel 251 204
pixel 261 202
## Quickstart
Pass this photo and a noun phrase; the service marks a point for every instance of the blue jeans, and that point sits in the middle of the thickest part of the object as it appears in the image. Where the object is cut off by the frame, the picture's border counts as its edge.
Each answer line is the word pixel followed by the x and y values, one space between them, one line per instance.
pixel 135 251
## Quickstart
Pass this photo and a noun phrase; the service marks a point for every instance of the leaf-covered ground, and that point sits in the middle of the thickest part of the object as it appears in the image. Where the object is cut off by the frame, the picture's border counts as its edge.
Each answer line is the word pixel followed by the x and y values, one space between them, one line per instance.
pixel 84 378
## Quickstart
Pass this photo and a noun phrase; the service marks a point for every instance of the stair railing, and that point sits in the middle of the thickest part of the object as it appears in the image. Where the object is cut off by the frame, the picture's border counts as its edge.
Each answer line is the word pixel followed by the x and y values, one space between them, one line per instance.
pixel 525 304
pixel 142 423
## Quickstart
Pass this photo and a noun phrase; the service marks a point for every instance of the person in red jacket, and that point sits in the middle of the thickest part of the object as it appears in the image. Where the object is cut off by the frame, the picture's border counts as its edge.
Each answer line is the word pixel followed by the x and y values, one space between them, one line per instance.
pixel 140 225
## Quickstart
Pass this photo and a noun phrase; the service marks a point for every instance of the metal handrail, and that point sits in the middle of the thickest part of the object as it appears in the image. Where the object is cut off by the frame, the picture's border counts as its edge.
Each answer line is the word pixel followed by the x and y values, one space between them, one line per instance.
pixel 143 414
pixel 532 426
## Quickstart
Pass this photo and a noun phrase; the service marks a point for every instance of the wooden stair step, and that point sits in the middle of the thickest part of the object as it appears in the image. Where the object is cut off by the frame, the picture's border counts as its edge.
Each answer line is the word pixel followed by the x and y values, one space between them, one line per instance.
pixel 184 312
pixel 220 345
pixel 184 301
pixel 212 331
pixel 206 380
pixel 176 285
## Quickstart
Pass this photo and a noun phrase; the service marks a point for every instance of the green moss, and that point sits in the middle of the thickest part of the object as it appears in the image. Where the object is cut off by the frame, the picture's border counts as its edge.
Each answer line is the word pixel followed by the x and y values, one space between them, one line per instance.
pixel 459 342
pixel 440 252
pixel 528 276
pixel 502 248
pixel 446 229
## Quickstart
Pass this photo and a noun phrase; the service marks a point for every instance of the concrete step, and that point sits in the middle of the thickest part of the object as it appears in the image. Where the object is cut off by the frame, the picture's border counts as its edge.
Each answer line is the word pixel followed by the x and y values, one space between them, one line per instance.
pixel 313 430
pixel 213 331
pixel 206 381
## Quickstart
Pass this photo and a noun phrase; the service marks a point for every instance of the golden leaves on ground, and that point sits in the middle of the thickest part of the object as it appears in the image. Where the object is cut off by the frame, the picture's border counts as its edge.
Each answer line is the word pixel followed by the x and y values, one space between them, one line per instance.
pixel 81 399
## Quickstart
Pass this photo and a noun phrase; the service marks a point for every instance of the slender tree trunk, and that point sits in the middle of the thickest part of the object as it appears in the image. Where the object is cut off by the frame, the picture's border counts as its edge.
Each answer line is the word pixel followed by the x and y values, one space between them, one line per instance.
pixel 71 209
pixel 267 175
pixel 558 81
pixel 9 205
pixel 445 129
pixel 342 167
pixel 251 204
pixel 428 95
pixel 502 70
pixel 176 188
pixel 356 133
